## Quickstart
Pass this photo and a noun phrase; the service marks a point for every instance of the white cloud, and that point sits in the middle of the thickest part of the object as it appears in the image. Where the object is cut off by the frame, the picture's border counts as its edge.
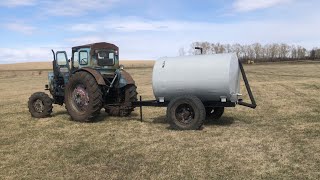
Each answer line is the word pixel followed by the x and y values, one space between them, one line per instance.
pixel 14 3
pixel 84 27
pixel 84 40
pixel 142 39
pixel 147 39
pixel 15 55
pixel 251 5
pixel 133 24
pixel 22 28
pixel 77 7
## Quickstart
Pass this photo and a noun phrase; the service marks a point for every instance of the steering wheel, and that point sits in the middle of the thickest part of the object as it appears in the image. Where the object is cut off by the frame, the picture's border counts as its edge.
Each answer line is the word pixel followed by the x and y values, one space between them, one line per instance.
pixel 84 61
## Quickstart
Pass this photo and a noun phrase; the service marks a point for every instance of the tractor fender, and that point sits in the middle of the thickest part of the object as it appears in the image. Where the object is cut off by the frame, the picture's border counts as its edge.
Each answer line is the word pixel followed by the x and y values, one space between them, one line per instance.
pixel 95 74
pixel 124 78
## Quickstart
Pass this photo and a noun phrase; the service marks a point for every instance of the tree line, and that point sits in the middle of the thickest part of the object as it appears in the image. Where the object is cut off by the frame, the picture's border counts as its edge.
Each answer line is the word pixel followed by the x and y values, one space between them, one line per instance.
pixel 256 52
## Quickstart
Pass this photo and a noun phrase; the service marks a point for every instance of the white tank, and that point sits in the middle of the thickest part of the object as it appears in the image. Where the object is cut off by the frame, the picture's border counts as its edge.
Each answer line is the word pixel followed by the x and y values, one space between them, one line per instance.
pixel 209 77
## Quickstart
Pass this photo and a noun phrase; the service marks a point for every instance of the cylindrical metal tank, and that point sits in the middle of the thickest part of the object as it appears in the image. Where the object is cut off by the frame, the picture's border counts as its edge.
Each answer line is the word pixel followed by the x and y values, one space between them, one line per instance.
pixel 209 77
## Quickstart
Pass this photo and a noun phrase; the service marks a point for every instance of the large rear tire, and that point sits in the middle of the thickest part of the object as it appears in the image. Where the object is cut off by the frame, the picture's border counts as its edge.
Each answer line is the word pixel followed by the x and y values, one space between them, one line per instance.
pixel 130 96
pixel 126 108
pixel 186 113
pixel 40 105
pixel 83 97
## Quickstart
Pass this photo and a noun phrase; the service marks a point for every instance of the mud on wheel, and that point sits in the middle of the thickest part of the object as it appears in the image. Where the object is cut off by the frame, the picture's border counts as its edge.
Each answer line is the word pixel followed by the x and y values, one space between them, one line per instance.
pixel 40 105
pixel 83 97
pixel 130 96
pixel 125 109
pixel 186 113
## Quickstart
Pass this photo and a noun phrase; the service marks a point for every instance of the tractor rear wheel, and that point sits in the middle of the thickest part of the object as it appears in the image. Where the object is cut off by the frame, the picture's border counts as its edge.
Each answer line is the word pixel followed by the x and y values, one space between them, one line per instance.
pixel 186 113
pixel 130 96
pixel 40 105
pixel 83 97
pixel 125 109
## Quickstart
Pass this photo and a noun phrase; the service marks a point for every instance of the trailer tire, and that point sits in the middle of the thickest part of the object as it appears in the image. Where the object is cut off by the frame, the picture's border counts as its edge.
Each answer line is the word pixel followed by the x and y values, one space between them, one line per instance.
pixel 186 113
pixel 40 105
pixel 83 97
pixel 214 113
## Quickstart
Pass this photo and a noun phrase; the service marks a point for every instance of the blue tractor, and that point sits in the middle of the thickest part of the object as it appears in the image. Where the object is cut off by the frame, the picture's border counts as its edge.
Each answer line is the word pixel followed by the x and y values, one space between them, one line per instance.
pixel 90 81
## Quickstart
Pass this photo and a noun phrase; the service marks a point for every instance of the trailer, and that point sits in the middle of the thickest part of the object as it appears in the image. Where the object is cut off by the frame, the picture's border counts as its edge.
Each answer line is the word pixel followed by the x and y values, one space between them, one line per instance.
pixel 193 93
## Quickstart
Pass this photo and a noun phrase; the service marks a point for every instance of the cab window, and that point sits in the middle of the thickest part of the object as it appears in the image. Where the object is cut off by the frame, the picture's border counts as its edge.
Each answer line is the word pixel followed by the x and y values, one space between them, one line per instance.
pixel 76 59
pixel 83 57
pixel 106 58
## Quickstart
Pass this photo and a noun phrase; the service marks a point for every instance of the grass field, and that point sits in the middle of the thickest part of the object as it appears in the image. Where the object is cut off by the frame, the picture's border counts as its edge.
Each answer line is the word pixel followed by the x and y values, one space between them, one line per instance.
pixel 278 140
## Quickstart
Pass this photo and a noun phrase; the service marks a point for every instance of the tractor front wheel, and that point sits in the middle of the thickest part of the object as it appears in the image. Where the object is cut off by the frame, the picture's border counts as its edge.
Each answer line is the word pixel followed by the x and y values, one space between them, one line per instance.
pixel 83 97
pixel 40 105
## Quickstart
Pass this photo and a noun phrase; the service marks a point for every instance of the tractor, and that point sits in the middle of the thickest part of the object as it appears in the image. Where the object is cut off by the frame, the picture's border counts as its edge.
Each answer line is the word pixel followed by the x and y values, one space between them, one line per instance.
pixel 91 80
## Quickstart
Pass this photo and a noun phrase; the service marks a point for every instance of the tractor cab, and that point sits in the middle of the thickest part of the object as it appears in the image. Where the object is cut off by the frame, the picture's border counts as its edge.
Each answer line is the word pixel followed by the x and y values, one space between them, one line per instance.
pixel 103 57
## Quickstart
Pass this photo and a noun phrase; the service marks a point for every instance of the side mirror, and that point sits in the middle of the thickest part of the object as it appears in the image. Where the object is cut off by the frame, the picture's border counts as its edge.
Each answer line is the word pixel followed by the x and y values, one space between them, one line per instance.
pixel 121 67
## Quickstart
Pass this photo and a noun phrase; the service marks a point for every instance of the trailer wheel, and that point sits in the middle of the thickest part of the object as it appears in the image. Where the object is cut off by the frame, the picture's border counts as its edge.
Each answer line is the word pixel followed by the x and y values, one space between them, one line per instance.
pixel 40 105
pixel 186 113
pixel 83 97
pixel 214 113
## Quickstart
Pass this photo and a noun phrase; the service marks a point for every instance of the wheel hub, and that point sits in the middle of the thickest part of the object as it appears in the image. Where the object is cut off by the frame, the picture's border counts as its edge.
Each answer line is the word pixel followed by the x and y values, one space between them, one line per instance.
pixel 185 113
pixel 38 106
pixel 80 97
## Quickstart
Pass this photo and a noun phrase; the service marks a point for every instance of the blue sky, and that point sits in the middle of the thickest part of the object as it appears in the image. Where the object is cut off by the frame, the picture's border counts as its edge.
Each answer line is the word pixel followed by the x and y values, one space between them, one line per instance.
pixel 147 29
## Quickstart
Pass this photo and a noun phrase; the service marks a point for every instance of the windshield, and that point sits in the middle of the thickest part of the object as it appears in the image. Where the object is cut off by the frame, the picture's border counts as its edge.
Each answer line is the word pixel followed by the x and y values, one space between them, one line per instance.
pixel 106 58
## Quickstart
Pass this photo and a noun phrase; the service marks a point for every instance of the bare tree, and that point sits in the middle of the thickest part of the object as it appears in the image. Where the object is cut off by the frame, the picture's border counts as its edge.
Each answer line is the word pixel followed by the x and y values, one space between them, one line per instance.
pixel 294 52
pixel 256 51
pixel 182 52
pixel 301 52
pixel 236 48
pixel 284 49
pixel 206 47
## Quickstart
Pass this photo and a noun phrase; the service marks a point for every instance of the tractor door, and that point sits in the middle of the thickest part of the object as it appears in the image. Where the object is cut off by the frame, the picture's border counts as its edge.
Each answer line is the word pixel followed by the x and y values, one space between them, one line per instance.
pixel 63 65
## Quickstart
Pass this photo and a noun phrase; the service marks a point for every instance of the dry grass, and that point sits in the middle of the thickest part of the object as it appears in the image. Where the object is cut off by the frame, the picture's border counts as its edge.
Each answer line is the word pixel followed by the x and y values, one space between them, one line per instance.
pixel 278 140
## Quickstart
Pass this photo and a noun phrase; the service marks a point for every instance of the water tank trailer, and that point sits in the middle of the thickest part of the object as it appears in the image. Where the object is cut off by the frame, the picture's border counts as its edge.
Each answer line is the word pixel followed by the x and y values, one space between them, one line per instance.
pixel 197 88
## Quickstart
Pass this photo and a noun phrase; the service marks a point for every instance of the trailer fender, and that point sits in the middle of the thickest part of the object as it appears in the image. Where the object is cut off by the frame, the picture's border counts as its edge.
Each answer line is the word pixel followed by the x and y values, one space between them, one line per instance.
pixel 97 76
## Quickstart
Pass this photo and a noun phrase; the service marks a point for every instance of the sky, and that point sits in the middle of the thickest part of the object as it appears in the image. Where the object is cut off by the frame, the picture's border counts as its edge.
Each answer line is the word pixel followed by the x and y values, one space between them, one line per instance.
pixel 149 29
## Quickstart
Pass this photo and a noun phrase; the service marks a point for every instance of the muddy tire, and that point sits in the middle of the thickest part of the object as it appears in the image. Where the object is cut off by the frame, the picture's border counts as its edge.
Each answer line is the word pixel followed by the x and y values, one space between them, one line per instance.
pixel 186 113
pixel 40 105
pixel 130 95
pixel 83 97
pixel 213 114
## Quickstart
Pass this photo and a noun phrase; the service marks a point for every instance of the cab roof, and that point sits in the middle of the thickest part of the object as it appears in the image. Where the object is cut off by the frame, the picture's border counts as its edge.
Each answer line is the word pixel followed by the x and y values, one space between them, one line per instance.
pixel 99 45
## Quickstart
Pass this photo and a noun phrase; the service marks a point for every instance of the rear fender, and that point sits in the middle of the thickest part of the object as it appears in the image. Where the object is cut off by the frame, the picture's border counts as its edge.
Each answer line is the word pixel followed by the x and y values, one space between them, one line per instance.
pixel 95 74
pixel 124 78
